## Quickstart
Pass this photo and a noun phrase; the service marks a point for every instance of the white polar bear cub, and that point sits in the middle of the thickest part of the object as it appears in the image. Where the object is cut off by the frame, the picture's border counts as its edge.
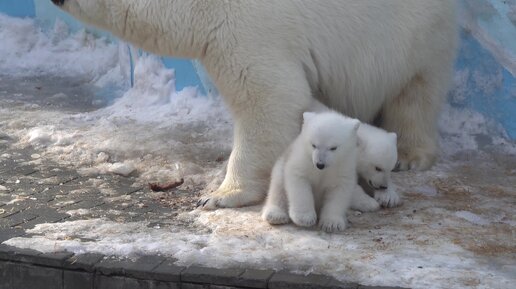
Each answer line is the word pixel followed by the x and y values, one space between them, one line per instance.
pixel 316 173
pixel 377 157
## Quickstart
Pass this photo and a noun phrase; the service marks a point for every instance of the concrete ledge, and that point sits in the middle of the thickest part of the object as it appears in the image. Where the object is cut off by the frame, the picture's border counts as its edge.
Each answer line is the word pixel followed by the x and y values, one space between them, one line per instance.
pixel 21 269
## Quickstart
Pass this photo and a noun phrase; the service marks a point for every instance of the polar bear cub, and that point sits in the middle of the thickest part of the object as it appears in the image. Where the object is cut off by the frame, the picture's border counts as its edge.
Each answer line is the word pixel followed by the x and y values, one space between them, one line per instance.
pixel 377 158
pixel 316 174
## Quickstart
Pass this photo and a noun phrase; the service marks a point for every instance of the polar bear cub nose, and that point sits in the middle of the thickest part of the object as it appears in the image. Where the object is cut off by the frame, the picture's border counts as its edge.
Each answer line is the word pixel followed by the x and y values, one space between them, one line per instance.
pixel 320 166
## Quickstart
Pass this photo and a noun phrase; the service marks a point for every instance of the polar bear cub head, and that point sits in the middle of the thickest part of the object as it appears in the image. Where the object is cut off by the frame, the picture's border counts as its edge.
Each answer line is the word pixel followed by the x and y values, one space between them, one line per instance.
pixel 330 136
pixel 377 155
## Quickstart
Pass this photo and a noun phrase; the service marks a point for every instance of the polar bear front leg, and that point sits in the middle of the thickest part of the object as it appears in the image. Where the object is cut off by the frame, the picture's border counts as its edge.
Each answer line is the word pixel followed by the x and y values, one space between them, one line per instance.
pixel 300 200
pixel 266 120
pixel 413 116
pixel 333 212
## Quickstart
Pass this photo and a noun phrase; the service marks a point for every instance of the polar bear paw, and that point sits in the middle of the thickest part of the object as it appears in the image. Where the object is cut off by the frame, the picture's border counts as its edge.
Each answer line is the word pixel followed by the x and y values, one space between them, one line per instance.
pixel 388 199
pixel 418 160
pixel 365 204
pixel 224 198
pixel 275 215
pixel 333 224
pixel 303 219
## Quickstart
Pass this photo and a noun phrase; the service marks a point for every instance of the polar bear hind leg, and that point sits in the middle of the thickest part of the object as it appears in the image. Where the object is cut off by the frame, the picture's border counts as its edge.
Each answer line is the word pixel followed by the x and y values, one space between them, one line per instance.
pixel 413 116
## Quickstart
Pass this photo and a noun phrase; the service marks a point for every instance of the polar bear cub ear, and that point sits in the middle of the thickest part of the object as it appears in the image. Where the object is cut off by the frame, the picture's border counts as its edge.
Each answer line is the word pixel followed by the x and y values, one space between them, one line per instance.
pixel 307 116
pixel 393 137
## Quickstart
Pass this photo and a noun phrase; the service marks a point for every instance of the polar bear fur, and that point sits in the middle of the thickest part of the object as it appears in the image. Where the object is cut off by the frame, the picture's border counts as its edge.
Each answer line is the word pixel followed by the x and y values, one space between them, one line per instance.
pixel 377 158
pixel 269 58
pixel 317 173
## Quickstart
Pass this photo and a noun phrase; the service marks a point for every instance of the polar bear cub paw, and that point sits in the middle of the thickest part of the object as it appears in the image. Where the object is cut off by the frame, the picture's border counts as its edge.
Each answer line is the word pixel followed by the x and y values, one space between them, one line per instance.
pixel 388 199
pixel 333 224
pixel 304 219
pixel 275 215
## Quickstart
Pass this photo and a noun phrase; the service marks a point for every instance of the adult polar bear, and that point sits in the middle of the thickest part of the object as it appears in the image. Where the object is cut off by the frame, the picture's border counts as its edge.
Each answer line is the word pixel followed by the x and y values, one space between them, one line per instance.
pixel 269 58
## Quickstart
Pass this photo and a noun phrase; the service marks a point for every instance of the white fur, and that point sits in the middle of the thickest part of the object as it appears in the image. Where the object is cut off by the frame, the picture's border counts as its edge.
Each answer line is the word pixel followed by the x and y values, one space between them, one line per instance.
pixel 269 58
pixel 377 150
pixel 317 173
pixel 377 158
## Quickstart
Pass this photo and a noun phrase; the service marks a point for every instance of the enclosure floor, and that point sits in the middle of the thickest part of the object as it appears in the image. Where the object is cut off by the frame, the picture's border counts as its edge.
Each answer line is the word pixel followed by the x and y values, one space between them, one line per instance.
pixel 466 204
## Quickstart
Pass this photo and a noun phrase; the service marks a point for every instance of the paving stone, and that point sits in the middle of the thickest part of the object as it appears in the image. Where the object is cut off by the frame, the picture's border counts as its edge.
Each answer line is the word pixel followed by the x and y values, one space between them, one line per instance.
pixel 379 287
pixel 23 276
pixel 254 278
pixel 85 262
pixel 336 284
pixel 7 233
pixel 6 273
pixel 44 197
pixel 25 186
pixel 17 207
pixel 86 204
pixel 53 259
pixel 225 287
pixel 20 218
pixel 214 276
pixel 44 215
pixel 168 271
pixel 141 268
pixel 54 178
pixel 194 286
pixel 10 253
pixel 105 282
pixel 286 280
pixel 117 282
pixel 77 280
pixel 22 170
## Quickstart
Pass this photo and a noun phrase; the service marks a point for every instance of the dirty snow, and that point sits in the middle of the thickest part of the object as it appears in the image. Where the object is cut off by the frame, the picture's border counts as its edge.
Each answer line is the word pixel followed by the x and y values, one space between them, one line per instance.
pixel 455 229
pixel 472 218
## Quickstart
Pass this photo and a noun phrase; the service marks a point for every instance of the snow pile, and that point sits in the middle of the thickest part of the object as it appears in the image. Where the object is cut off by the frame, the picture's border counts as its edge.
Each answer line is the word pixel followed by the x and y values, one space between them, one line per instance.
pixel 28 51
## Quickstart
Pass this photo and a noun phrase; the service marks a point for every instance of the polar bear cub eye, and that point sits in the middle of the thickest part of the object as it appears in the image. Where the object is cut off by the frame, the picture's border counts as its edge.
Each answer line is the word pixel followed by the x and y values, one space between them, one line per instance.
pixel 333 149
pixel 378 169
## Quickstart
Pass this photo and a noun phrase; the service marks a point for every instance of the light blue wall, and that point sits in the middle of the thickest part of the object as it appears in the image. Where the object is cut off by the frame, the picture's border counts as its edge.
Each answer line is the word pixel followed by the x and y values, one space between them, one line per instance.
pixel 18 8
pixel 487 60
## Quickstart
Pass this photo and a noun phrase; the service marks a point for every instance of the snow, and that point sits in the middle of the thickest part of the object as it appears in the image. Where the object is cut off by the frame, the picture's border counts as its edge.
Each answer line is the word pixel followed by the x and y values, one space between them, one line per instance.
pixel 440 237
pixel 473 218
pixel 366 254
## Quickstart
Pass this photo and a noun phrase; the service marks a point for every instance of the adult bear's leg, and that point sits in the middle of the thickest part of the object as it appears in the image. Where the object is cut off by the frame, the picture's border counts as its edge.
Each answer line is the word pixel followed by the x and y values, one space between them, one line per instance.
pixel 413 116
pixel 267 117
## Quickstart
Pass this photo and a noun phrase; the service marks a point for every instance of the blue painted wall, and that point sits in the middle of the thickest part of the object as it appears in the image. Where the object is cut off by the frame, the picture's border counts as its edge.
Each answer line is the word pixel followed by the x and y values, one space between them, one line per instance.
pixel 487 60
pixel 18 8
pixel 491 88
